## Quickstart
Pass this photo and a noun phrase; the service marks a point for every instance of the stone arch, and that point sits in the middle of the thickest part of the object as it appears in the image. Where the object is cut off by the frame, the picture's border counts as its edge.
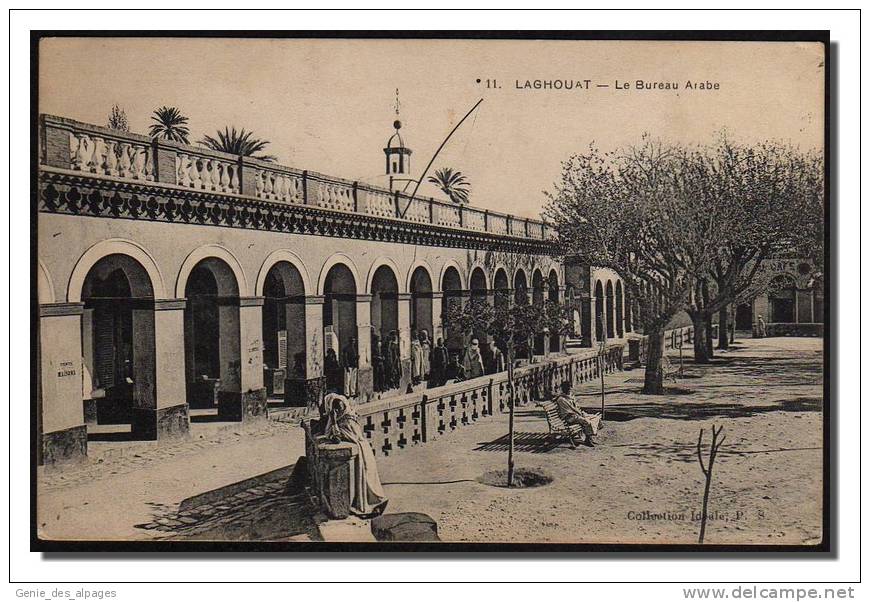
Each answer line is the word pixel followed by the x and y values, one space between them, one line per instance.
pixel 44 284
pixel 540 339
pixel 620 314
pixel 420 264
pixel 333 260
pixel 487 277
pixel 216 252
pixel 118 344
pixel 114 246
pixel 609 307
pixel 782 298
pixel 211 283
pixel 478 280
pixel 452 286
pixel 502 286
pixel 377 264
pixel 341 347
pixel 284 287
pixel 388 343
pixel 276 257
pixel 552 284
pixel 599 310
pixel 537 287
pixel 421 287
pixel 450 263
pixel 521 287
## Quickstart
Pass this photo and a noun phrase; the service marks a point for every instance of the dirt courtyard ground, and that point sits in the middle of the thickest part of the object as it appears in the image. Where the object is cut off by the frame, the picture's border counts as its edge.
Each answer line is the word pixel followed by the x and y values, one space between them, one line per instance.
pixel 640 484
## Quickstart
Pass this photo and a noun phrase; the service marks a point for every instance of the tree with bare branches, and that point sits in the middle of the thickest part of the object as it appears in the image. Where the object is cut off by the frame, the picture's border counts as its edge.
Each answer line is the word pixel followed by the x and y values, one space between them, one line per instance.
pixel 625 210
pixel 755 201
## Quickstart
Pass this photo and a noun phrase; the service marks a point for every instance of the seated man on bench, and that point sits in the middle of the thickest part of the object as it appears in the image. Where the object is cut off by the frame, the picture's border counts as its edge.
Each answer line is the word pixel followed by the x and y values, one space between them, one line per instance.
pixel 571 413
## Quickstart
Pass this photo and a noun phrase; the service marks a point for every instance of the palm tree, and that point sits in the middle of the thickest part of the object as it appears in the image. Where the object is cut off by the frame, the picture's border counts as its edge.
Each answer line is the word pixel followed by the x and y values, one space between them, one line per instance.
pixel 170 125
pixel 452 183
pixel 237 143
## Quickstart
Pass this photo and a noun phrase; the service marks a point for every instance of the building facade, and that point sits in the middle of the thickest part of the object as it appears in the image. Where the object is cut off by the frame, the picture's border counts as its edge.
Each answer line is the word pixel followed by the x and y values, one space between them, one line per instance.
pixel 174 278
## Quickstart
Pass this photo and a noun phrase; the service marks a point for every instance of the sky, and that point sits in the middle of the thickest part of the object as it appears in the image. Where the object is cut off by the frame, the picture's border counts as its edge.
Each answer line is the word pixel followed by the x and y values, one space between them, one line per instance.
pixel 328 105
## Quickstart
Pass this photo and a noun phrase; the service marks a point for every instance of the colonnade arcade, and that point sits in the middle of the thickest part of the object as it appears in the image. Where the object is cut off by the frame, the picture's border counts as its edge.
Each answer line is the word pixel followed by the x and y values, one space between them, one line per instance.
pixel 135 350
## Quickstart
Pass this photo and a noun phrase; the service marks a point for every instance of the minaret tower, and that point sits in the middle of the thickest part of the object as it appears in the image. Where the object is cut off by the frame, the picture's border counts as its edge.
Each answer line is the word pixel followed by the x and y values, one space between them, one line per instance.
pixel 398 156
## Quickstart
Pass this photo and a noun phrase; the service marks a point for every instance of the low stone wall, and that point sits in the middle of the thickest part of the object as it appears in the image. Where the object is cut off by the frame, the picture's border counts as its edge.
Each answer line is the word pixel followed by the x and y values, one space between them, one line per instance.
pixel 785 329
pixel 392 425
pixel 674 339
pixel 395 424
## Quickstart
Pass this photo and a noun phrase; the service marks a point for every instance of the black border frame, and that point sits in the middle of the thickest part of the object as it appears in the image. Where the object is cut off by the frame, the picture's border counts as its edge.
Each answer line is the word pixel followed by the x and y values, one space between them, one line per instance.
pixel 75 549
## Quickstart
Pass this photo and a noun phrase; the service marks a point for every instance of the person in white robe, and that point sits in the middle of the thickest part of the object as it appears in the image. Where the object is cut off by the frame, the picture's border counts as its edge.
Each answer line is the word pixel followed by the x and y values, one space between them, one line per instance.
pixel 342 424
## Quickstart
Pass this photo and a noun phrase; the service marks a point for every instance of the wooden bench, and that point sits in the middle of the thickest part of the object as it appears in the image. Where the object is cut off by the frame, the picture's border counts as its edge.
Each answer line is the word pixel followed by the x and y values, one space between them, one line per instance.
pixel 558 428
pixel 669 371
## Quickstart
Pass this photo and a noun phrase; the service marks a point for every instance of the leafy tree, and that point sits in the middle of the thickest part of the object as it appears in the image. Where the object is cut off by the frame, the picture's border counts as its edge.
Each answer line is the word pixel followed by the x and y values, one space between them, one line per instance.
pixel 452 183
pixel 237 142
pixel 118 119
pixel 510 327
pixel 169 124
pixel 757 201
pixel 626 211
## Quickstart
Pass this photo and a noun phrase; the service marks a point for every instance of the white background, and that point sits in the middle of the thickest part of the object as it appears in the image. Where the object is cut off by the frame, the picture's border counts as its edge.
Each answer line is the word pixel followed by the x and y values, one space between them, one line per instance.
pixel 33 567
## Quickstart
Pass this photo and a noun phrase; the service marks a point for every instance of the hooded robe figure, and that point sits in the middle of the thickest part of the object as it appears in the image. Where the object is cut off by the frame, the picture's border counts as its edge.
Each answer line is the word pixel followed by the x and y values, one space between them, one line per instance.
pixel 473 361
pixel 416 360
pixel 342 424
pixel 426 348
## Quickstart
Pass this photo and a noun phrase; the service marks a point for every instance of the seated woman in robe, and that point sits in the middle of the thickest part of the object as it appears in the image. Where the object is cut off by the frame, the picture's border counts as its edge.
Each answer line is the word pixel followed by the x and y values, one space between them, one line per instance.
pixel 342 424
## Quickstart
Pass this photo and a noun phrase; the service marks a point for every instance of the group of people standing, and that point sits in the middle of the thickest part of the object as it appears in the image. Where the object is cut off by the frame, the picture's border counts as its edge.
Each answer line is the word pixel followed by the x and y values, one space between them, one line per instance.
pixel 386 362
pixel 434 364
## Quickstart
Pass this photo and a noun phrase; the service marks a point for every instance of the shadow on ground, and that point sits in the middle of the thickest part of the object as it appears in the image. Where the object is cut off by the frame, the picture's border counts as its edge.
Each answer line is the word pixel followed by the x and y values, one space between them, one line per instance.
pixel 670 410
pixel 536 443
pixel 269 510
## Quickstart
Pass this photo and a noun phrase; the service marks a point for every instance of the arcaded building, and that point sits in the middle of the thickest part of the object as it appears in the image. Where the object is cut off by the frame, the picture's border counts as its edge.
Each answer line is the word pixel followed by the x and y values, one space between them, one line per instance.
pixel 174 279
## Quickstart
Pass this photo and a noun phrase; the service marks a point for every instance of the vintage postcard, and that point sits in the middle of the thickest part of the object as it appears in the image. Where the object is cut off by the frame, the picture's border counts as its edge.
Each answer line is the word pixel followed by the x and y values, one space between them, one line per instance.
pixel 437 291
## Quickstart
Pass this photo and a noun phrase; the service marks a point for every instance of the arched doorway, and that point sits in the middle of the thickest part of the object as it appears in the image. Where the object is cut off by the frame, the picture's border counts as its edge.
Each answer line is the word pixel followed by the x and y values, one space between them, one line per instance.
pixel 538 301
pixel 478 291
pixel 385 330
pixel 619 310
pixel 609 307
pixel 339 326
pixel 521 288
pixel 502 289
pixel 521 297
pixel 599 311
pixel 451 286
pixel 743 318
pixel 553 297
pixel 421 302
pixel 118 343
pixel 212 348
pixel 284 336
pixel 781 298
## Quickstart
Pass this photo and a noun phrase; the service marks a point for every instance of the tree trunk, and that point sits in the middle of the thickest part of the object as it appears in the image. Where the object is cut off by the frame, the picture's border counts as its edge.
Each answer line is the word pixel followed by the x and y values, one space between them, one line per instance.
pixel 723 328
pixel 652 378
pixel 700 339
pixel 510 470
pixel 708 325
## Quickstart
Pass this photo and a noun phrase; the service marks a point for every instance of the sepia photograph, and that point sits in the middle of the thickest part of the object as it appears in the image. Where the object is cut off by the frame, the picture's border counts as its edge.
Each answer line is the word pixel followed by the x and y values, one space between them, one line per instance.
pixel 422 291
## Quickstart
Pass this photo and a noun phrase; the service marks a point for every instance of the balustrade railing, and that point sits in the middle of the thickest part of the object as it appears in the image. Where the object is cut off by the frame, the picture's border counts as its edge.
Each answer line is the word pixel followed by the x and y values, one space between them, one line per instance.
pixel 110 155
pixel 395 424
pixel 673 339
pixel 77 146
pixel 203 172
pixel 279 185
